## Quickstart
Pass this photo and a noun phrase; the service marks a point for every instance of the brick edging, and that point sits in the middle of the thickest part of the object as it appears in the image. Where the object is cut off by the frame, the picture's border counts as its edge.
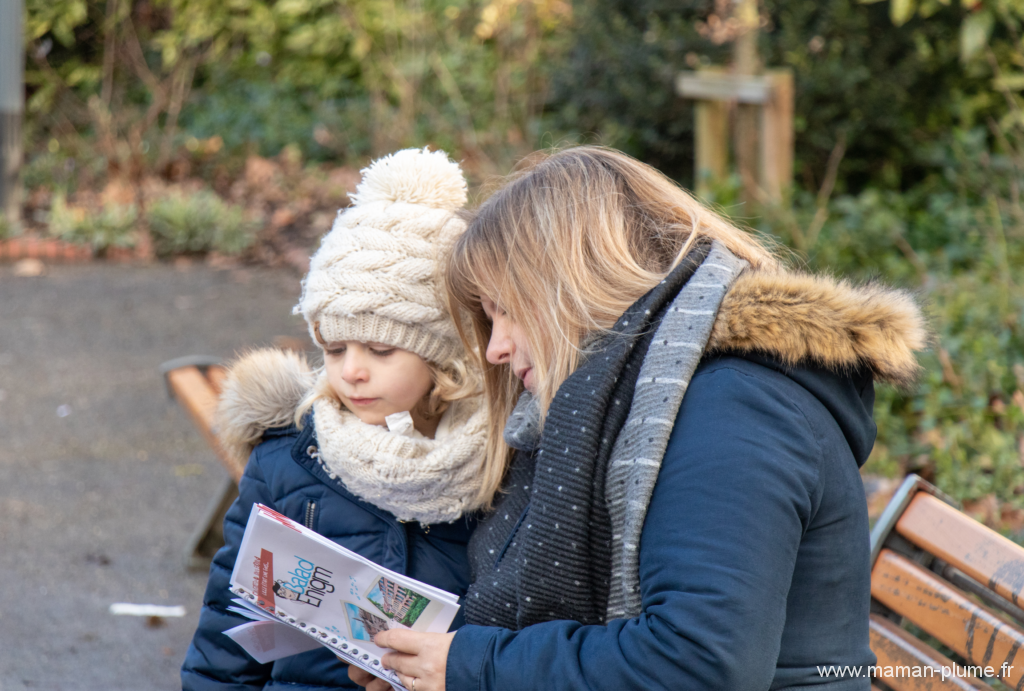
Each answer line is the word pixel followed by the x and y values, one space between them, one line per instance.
pixel 59 251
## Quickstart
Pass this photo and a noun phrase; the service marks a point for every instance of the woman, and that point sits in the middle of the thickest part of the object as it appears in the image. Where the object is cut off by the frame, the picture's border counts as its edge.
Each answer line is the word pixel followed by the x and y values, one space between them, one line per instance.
pixel 683 507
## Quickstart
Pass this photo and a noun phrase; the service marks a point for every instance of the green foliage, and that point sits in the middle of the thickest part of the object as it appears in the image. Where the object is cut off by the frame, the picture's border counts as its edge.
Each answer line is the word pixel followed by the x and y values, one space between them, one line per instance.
pixel 112 226
pixel 888 90
pixel 264 117
pixel 957 241
pixel 359 77
pixel 616 82
pixel 198 222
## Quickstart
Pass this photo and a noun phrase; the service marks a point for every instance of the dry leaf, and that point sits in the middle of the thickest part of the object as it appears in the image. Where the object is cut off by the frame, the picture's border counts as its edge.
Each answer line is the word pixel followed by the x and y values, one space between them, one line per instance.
pixel 29 267
pixel 1011 519
pixel 984 510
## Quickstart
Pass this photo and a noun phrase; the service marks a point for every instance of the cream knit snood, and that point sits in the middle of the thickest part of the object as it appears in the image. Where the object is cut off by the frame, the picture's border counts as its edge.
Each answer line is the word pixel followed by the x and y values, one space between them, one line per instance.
pixel 412 477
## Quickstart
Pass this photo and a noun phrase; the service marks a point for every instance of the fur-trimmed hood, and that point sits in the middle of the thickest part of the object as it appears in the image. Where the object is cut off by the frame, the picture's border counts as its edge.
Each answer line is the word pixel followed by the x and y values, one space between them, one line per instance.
pixel 262 390
pixel 791 316
pixel 799 317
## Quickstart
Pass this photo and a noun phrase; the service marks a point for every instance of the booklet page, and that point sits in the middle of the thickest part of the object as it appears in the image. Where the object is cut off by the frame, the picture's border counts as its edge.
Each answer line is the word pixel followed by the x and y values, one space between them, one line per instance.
pixel 295 577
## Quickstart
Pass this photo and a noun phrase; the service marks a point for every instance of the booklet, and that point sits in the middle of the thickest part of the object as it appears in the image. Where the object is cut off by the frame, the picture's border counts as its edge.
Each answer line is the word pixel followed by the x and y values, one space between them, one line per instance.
pixel 303 591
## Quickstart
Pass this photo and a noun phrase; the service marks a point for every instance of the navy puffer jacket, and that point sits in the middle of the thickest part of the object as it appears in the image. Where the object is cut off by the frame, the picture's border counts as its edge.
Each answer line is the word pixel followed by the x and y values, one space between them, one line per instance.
pixel 754 555
pixel 283 473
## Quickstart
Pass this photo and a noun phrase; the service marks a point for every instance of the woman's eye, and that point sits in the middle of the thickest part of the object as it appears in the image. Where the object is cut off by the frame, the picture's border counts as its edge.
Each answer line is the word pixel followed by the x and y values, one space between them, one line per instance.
pixel 382 353
pixel 336 351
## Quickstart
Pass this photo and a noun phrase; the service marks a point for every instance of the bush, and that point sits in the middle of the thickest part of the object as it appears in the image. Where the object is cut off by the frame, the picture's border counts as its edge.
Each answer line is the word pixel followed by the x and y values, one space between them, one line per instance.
pixel 889 90
pixel 957 241
pixel 198 222
pixel 114 225
pixel 263 117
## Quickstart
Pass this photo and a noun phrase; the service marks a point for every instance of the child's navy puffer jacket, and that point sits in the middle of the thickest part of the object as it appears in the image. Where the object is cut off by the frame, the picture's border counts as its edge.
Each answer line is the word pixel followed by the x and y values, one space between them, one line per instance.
pixel 284 474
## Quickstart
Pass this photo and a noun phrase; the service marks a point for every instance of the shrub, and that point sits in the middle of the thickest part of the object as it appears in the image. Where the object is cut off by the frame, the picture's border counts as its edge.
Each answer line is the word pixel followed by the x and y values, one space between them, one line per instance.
pixel 887 89
pixel 956 240
pixel 113 225
pixel 198 222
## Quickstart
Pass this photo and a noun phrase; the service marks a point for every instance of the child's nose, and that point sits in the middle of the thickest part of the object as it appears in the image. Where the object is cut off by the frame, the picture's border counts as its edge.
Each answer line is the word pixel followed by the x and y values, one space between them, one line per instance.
pixel 354 369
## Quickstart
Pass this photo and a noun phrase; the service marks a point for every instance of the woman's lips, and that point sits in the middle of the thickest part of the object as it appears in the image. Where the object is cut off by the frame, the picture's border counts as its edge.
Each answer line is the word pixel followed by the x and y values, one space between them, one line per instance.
pixel 362 401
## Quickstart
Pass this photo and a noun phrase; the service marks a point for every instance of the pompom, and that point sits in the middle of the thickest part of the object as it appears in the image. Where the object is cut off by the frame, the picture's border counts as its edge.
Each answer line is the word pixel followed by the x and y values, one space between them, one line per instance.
pixel 415 176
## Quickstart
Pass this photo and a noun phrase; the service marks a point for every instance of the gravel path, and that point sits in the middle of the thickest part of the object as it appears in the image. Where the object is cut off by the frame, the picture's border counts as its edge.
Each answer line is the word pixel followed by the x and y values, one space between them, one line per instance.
pixel 102 477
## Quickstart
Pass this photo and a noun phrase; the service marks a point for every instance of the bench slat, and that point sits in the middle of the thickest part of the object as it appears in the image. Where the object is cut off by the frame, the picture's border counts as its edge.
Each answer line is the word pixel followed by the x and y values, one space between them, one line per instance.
pixel 941 610
pixel 197 396
pixel 216 374
pixel 980 552
pixel 895 648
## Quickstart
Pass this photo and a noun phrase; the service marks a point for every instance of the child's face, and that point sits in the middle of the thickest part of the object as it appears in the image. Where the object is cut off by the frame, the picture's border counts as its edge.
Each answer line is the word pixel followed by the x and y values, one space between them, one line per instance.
pixel 374 380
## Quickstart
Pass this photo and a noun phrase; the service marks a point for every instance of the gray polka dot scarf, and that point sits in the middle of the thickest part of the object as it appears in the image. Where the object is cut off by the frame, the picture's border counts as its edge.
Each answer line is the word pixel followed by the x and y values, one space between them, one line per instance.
pixel 604 437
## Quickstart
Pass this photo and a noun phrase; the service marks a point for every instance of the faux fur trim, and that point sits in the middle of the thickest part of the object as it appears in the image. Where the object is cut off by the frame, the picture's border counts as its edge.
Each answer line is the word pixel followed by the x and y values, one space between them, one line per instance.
pixel 798 317
pixel 262 390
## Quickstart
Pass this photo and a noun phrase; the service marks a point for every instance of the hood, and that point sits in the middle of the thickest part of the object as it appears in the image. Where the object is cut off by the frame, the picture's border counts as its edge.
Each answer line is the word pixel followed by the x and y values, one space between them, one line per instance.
pixel 830 336
pixel 798 318
pixel 261 391
pixel 849 397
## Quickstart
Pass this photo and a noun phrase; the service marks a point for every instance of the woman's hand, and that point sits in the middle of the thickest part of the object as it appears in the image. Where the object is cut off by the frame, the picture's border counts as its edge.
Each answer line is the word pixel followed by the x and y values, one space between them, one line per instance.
pixel 422 657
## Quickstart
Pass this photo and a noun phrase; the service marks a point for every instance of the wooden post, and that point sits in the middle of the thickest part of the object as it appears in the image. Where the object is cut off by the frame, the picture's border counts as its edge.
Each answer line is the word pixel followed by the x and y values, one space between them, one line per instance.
pixel 12 100
pixel 746 64
pixel 770 98
pixel 711 141
pixel 777 135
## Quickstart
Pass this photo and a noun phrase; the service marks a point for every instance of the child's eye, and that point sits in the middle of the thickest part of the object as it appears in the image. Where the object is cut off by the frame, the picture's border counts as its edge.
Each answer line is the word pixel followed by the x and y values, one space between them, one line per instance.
pixel 382 353
pixel 340 350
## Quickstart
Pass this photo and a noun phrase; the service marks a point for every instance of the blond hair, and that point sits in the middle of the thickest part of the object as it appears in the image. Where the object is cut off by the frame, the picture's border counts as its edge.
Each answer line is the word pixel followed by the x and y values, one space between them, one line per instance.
pixel 565 247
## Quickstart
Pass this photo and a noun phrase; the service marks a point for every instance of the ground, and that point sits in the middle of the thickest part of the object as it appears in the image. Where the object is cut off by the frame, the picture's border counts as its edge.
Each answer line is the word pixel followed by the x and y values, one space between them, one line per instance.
pixel 102 478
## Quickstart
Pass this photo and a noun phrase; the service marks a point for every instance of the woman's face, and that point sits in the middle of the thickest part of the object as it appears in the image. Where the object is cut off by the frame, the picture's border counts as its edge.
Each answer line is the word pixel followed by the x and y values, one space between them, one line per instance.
pixel 508 345
pixel 374 380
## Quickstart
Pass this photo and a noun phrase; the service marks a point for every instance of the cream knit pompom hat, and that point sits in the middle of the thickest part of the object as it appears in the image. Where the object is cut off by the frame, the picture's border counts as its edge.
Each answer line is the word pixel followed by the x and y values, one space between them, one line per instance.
pixel 373 278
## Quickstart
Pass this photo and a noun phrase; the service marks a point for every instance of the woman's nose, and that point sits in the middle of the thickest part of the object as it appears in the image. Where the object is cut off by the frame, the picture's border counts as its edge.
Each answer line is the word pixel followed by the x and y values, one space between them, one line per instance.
pixel 500 347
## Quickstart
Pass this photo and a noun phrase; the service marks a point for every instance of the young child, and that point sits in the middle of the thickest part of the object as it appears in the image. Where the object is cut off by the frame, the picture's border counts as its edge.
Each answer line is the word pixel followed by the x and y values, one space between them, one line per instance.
pixel 382 450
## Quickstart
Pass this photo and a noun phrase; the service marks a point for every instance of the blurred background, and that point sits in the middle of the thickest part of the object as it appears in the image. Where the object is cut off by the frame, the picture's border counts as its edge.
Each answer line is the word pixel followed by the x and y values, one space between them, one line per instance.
pixel 169 165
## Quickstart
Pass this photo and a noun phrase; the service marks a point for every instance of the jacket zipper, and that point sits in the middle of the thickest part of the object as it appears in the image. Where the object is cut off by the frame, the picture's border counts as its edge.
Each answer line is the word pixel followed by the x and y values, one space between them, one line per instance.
pixel 310 513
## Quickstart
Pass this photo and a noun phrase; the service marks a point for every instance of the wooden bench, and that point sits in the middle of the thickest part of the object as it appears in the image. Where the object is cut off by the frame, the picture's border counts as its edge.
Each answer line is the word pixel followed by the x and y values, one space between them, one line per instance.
pixel 957 582
pixel 195 383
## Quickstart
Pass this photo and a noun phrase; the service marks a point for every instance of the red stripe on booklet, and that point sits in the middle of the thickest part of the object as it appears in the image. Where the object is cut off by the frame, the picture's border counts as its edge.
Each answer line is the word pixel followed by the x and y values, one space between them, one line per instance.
pixel 266 590
pixel 280 518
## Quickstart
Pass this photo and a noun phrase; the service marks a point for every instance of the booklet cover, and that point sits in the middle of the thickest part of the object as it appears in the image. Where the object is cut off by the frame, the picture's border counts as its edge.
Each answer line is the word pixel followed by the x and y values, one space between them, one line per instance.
pixel 291 580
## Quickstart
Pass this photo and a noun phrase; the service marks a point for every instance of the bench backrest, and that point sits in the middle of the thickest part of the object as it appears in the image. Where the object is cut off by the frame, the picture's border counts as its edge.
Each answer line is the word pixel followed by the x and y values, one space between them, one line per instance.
pixel 196 387
pixel 957 581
